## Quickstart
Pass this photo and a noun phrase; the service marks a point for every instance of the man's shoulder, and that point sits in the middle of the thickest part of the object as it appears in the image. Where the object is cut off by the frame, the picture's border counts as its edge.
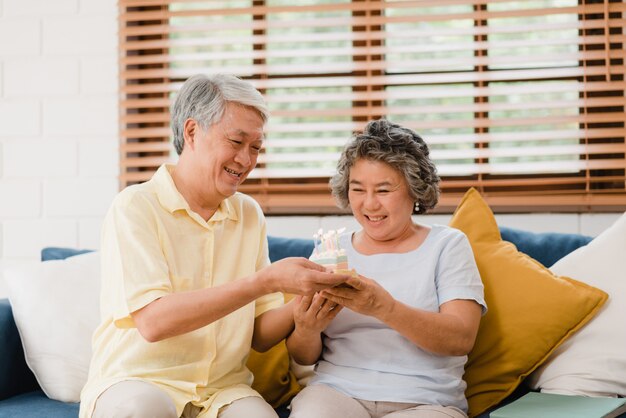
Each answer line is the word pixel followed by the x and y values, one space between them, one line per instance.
pixel 134 194
pixel 134 204
pixel 245 204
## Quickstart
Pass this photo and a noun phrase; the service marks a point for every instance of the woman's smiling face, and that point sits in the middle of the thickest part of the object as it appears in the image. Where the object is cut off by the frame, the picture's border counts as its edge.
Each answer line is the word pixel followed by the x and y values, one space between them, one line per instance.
pixel 380 200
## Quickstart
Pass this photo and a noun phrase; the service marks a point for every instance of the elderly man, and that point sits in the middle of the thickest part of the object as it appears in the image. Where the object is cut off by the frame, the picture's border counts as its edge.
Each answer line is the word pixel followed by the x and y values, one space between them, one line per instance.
pixel 187 284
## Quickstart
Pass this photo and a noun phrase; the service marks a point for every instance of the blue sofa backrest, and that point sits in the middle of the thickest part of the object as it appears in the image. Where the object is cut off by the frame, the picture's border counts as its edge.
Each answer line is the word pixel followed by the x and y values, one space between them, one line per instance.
pixel 545 247
pixel 15 376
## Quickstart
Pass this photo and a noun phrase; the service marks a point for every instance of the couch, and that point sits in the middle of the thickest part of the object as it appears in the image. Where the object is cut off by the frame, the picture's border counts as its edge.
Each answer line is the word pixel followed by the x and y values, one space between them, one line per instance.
pixel 21 396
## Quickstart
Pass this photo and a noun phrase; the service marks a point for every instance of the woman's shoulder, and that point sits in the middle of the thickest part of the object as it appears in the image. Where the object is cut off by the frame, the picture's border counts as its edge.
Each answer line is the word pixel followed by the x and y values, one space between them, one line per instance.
pixel 448 235
pixel 447 230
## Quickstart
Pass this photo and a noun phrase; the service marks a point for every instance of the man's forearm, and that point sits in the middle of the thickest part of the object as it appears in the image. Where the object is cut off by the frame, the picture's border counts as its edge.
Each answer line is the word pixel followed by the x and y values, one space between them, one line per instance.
pixel 180 313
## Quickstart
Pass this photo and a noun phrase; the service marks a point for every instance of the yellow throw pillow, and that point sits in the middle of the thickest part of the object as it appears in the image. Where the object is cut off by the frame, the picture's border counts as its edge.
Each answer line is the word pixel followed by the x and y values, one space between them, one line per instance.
pixel 272 377
pixel 530 310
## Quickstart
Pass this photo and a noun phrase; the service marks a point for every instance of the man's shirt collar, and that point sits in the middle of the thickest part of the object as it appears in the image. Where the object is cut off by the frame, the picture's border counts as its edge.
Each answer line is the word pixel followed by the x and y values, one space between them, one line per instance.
pixel 171 199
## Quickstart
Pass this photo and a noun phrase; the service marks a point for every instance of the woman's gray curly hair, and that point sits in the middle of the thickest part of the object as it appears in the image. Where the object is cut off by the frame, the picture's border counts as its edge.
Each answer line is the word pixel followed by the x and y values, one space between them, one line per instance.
pixel 401 148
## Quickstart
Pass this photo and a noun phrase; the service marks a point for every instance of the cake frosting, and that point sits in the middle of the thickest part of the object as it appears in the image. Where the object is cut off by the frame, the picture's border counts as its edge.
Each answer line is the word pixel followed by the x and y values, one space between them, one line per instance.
pixel 328 252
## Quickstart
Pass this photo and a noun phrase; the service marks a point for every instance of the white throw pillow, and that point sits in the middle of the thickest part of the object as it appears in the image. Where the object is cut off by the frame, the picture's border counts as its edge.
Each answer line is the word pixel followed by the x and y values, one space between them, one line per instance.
pixel 56 308
pixel 593 361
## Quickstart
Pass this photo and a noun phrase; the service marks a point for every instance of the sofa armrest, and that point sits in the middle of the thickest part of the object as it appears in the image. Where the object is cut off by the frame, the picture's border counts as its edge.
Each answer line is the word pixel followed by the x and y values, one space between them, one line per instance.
pixel 15 376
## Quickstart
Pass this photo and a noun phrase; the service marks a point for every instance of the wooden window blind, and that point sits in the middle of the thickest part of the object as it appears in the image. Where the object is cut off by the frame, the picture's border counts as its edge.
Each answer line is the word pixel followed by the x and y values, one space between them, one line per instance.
pixel 524 100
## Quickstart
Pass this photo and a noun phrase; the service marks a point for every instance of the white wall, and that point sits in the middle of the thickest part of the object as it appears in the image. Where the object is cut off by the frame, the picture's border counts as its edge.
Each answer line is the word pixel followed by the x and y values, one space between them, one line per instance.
pixel 58 123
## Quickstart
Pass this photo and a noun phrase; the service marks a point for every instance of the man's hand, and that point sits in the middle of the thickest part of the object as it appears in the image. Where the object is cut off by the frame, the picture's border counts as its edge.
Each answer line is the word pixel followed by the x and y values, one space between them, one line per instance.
pixel 298 276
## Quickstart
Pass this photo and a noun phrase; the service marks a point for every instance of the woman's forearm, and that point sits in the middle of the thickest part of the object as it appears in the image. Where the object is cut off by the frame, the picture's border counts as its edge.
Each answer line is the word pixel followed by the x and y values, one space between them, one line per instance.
pixel 272 326
pixel 305 349
pixel 450 332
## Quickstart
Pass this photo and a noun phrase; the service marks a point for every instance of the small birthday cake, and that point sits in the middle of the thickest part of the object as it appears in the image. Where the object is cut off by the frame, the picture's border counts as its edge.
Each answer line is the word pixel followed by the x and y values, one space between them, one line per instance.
pixel 329 253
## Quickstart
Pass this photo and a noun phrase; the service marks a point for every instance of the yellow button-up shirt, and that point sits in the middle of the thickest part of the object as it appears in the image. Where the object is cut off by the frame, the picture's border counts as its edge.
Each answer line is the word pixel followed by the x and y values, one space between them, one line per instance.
pixel 153 244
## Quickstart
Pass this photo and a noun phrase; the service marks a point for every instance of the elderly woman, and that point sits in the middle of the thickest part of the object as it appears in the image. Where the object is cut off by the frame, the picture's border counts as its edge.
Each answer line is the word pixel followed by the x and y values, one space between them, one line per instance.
pixel 395 343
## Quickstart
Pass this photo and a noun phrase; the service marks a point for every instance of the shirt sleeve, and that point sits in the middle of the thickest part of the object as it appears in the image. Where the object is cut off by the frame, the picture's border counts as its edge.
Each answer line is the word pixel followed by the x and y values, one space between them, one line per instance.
pixel 272 300
pixel 134 265
pixel 457 274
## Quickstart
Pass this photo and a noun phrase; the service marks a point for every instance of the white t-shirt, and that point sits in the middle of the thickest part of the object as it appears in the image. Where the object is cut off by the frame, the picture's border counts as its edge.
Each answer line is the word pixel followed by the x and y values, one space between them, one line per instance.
pixel 365 359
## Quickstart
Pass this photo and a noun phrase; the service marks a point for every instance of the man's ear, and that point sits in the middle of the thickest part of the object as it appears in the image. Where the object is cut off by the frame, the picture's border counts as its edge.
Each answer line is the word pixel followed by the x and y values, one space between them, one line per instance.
pixel 190 130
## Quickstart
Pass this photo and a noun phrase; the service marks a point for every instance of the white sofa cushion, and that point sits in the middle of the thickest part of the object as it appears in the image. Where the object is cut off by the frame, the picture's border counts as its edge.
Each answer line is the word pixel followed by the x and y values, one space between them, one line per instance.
pixel 56 309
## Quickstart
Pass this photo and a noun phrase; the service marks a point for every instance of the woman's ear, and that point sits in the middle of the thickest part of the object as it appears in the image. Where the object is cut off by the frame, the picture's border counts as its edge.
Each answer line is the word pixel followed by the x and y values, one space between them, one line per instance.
pixel 190 131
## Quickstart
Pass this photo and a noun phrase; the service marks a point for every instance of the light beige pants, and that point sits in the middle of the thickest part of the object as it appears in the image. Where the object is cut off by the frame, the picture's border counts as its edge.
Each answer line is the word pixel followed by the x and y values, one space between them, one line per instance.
pixel 137 399
pixel 321 401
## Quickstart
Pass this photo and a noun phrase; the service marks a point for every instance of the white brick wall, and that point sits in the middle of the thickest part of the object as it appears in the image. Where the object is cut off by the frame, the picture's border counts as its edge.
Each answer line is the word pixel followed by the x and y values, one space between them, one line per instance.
pixel 58 123
pixel 24 238
pixel 19 117
pixel 89 34
pixel 84 117
pixel 19 36
pixel 20 199
pixel 52 158
pixel 39 77
pixel 30 8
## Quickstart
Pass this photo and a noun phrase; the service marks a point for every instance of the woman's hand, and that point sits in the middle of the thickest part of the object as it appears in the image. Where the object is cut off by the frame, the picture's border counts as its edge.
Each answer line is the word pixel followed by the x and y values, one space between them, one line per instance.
pixel 362 295
pixel 450 332
pixel 312 314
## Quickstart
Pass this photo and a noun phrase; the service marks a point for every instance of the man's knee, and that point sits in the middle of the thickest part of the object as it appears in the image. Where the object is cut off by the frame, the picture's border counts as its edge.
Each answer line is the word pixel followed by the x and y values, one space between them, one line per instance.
pixel 250 406
pixel 134 399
